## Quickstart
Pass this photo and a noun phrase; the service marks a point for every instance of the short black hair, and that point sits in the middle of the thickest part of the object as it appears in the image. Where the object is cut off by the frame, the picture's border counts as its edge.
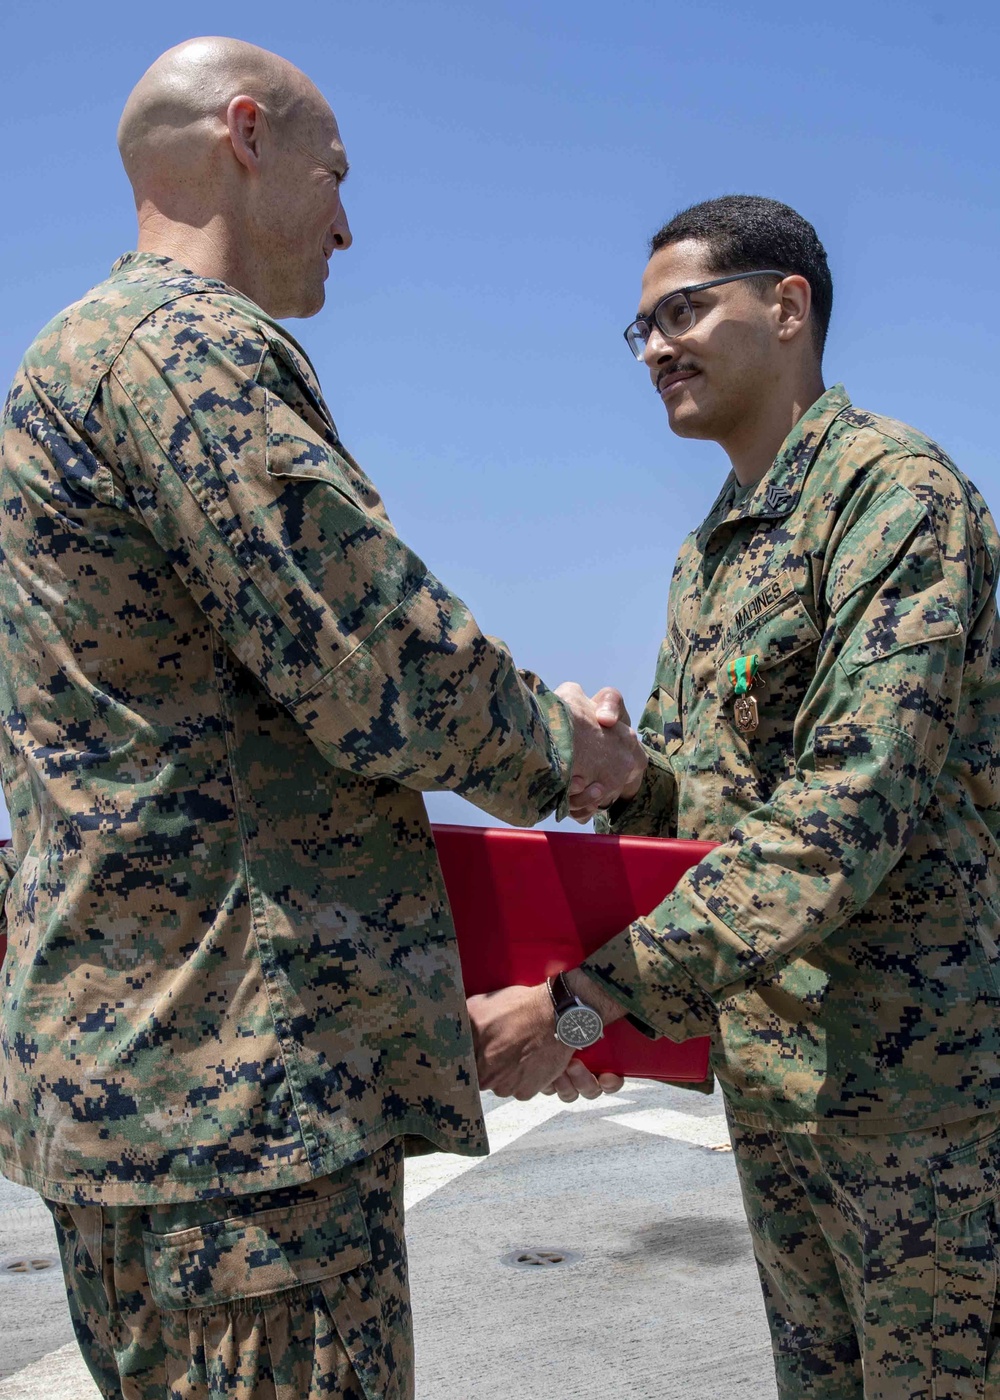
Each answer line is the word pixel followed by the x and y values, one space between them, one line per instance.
pixel 744 231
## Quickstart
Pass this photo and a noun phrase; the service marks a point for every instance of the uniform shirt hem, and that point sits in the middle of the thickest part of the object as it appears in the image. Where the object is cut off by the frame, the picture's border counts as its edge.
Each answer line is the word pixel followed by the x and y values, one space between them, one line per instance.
pixel 856 1125
pixel 84 1189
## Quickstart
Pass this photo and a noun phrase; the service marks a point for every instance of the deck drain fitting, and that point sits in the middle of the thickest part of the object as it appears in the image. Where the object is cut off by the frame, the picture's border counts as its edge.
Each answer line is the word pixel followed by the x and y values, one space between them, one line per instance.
pixel 539 1258
pixel 28 1266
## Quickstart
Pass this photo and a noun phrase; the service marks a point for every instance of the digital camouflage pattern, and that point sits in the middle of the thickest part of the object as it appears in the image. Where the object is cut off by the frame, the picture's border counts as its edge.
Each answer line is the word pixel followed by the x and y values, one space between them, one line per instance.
pixel 223 679
pixel 882 1251
pixel 298 1294
pixel 842 939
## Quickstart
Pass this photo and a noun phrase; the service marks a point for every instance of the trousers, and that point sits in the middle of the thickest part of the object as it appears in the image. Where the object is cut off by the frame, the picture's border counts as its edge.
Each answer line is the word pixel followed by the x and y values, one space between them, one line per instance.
pixel 878 1258
pixel 297 1294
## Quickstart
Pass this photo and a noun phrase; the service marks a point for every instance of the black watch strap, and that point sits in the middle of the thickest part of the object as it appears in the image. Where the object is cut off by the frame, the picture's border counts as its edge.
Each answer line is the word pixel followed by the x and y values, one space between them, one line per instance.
pixel 562 998
pixel 578 1025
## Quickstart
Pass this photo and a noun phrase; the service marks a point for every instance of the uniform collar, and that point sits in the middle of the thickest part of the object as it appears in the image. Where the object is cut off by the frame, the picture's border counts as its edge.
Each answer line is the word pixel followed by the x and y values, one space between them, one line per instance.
pixel 134 259
pixel 777 493
pixel 171 272
pixel 158 262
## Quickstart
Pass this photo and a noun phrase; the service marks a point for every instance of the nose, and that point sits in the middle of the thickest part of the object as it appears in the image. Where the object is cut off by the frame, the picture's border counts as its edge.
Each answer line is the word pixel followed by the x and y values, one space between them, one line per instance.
pixel 658 348
pixel 341 230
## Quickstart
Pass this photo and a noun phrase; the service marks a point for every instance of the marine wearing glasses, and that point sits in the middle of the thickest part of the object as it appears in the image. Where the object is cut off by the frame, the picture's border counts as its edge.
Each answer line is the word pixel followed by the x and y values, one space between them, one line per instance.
pixel 674 314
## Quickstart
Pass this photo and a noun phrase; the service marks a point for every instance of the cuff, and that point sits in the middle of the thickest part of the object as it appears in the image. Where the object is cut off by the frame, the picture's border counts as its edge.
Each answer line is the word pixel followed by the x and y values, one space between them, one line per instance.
pixel 8 869
pixel 637 969
pixel 653 809
pixel 558 721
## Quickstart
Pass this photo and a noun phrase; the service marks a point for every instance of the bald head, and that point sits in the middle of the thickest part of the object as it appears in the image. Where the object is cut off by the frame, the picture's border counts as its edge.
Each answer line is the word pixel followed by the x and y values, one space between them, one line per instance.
pixel 236 162
pixel 180 100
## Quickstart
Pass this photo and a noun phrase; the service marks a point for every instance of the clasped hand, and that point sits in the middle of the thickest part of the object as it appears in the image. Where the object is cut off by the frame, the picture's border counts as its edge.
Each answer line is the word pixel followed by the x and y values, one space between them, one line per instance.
pixel 608 760
pixel 517 1053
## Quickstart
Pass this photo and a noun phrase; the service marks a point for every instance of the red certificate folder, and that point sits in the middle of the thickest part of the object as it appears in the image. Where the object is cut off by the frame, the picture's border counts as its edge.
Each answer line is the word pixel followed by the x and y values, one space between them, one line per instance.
pixel 528 904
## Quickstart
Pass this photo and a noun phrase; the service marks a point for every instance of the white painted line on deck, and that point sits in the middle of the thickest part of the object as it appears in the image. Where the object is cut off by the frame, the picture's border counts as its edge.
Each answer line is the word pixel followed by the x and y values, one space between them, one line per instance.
pixel 423 1176
pixel 62 1374
pixel 667 1122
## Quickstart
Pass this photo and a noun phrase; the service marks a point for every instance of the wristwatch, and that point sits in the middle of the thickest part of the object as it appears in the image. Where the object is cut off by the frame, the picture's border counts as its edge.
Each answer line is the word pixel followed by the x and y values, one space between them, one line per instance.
pixel 577 1025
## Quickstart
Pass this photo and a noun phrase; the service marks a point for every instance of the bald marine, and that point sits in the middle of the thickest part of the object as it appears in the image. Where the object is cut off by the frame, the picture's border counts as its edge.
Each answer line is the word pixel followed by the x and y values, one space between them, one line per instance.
pixel 232 683
pixel 236 165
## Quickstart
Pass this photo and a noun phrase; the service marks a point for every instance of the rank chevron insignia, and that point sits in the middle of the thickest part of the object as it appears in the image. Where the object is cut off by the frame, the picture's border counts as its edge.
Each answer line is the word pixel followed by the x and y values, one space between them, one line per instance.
pixel 778 497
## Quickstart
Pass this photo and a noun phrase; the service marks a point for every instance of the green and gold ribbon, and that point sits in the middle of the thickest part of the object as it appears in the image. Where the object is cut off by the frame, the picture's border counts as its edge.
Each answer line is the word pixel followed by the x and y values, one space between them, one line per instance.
pixel 743 672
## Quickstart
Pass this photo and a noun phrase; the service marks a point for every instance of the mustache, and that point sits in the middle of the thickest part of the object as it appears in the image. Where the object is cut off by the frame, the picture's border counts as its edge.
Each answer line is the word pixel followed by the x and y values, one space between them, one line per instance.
pixel 669 370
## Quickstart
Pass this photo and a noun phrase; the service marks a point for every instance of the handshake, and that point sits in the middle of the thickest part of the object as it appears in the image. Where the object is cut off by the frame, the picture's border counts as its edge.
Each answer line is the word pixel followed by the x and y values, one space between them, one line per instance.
pixel 608 760
pixel 517 1051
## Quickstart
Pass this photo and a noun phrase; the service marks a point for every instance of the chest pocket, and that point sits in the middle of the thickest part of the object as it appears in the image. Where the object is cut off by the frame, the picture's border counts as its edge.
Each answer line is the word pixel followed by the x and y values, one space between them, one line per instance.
pixel 670 664
pixel 661 720
pixel 296 449
pixel 783 640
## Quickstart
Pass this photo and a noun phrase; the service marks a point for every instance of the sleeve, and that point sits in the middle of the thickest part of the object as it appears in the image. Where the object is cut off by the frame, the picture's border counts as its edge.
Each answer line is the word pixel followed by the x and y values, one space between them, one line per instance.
pixel 653 809
pixel 8 869
pixel 261 514
pixel 909 591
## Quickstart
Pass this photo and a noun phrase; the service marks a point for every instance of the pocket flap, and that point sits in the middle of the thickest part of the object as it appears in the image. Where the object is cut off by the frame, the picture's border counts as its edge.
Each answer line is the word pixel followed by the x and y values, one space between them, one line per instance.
pixel 902 624
pixel 874 543
pixel 254 1255
pixel 968 1177
pixel 669 663
pixel 295 450
pixel 782 633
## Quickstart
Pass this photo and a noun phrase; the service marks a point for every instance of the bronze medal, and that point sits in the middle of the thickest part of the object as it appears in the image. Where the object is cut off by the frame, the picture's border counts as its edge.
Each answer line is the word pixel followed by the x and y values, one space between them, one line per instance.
pixel 743 673
pixel 745 714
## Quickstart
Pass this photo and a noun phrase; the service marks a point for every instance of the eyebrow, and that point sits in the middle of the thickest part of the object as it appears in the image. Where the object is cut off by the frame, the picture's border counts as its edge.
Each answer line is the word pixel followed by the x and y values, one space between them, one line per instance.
pixel 688 287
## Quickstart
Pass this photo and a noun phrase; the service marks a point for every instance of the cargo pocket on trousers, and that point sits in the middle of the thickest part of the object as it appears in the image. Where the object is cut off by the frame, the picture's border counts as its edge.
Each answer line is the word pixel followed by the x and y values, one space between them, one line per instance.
pixel 247 1261
pixel 966 1187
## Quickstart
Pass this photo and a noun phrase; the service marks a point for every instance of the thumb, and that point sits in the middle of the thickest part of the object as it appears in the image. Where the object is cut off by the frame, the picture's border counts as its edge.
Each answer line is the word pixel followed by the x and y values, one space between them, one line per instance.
pixel 610 707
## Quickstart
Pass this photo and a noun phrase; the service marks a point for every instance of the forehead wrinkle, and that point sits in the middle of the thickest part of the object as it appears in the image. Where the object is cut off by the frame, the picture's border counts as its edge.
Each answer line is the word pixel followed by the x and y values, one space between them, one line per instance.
pixel 312 129
pixel 684 260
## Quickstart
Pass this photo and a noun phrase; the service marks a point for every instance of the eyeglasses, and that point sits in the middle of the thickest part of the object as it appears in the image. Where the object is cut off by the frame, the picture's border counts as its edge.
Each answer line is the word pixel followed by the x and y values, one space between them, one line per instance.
pixel 674 314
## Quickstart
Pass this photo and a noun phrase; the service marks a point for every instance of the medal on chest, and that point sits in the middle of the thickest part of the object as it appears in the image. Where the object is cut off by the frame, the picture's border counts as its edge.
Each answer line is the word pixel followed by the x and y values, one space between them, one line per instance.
pixel 743 674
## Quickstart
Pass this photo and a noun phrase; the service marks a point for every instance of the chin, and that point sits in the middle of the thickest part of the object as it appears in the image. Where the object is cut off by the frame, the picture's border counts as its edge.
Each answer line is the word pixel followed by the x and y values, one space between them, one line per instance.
pixel 308 306
pixel 316 304
pixel 688 424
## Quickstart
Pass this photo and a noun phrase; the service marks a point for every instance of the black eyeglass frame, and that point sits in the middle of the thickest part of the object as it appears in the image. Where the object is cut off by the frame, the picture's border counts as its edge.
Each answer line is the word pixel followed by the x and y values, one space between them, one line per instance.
pixel 686 292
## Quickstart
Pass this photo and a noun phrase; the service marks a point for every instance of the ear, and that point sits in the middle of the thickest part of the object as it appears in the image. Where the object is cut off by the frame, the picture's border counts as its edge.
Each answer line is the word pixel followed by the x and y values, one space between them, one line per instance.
pixel 245 121
pixel 794 302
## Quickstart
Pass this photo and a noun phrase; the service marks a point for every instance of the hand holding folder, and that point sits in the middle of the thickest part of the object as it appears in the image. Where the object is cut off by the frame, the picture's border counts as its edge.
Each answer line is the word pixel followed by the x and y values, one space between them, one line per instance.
pixel 528 904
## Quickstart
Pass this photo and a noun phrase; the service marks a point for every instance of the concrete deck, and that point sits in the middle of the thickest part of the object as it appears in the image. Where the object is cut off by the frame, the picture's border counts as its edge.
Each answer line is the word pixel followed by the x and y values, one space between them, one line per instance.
pixel 660 1302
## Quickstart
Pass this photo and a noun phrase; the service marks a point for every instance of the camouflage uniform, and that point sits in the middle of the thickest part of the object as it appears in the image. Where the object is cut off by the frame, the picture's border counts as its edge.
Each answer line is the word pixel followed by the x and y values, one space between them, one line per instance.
pixel 878 1259
pixel 297 1294
pixel 841 942
pixel 223 681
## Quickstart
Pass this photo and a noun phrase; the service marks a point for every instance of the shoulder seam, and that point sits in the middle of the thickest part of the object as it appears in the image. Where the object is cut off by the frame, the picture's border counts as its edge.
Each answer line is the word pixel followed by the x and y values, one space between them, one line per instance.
pixel 160 306
pixel 914 451
pixel 880 425
pixel 87 406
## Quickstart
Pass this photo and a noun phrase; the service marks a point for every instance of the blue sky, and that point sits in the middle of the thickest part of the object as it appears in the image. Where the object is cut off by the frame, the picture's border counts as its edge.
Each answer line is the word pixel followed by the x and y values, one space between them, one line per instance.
pixel 509 162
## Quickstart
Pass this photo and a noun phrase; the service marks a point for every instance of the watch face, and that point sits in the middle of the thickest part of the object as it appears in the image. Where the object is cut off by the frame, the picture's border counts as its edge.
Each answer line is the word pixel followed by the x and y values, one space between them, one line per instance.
pixel 579 1027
